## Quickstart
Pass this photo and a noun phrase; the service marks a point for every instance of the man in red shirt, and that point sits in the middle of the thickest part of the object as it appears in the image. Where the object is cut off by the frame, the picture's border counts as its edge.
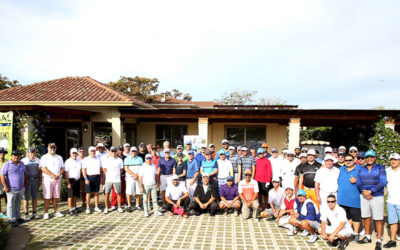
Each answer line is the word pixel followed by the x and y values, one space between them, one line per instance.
pixel 263 176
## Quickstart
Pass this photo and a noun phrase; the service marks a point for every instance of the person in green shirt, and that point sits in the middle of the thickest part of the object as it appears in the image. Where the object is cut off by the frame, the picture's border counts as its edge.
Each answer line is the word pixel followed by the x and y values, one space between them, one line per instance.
pixel 179 149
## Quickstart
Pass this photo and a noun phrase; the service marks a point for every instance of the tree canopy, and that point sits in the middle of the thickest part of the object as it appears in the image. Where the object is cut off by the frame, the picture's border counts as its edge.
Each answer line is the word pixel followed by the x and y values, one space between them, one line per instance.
pixel 245 97
pixel 5 83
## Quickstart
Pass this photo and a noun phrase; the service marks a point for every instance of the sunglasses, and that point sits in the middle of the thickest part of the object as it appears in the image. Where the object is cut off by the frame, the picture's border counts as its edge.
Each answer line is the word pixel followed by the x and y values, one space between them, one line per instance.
pixel 353 151
pixel 74 153
pixel 53 147
pixel 331 201
pixel 341 156
pixel 247 175
pixel 348 160
pixel 148 158
pixel 368 157
pixel 361 158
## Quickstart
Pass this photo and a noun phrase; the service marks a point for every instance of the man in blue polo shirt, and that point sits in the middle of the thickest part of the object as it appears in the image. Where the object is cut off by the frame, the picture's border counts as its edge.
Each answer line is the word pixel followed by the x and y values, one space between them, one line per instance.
pixel 167 165
pixel 210 167
pixel 201 156
pixel 348 194
pixel 193 172
pixel 371 183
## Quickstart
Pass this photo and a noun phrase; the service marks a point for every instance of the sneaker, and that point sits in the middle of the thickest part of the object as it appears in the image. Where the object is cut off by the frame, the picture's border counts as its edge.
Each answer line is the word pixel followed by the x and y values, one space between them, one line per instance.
pixel 362 233
pixel 35 216
pixel 96 209
pixel 105 211
pixel 13 223
pixel 391 243
pixel 397 237
pixel 304 233
pixel 236 213
pixel 20 221
pixel 343 244
pixel 129 209
pixel 378 245
pixel 71 212
pixel 139 208
pixel 123 206
pixel 356 237
pixel 58 214
pixel 113 208
pixel 2 216
pixel 88 210
pixel 158 213
pixel 364 240
pixel 146 215
pixel 27 218
pixel 290 233
pixel 313 238
pixel 46 216
pixel 75 211
pixel 120 210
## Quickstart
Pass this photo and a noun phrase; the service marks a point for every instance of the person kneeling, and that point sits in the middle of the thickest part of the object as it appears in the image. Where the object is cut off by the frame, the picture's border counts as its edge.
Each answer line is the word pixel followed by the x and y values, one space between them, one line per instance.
pixel 229 197
pixel 205 196
pixel 334 224
pixel 176 195
pixel 306 216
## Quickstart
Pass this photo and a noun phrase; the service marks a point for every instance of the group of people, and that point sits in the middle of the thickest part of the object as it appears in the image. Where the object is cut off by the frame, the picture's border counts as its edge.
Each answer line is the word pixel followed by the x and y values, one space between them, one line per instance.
pixel 333 196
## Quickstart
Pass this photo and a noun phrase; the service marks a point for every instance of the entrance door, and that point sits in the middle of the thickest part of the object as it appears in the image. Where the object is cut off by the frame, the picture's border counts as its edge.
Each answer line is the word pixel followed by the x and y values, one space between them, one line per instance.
pixel 56 135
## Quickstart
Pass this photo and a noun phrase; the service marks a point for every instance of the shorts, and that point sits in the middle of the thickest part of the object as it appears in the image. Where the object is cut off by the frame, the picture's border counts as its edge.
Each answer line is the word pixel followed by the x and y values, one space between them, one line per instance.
pixel 165 181
pixel 51 188
pixel 352 213
pixel 110 185
pixel 393 212
pixel 262 189
pixel 75 189
pixel 344 232
pixel 94 184
pixel 372 208
pixel 310 193
pixel 233 204
pixel 32 190
pixel 132 187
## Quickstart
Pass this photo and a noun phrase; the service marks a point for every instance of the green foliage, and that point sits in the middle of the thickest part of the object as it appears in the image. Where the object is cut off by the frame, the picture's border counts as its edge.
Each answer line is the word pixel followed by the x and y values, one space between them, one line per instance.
pixel 4 229
pixel 316 133
pixel 64 189
pixel 5 83
pixel 384 142
pixel 19 124
pixel 242 97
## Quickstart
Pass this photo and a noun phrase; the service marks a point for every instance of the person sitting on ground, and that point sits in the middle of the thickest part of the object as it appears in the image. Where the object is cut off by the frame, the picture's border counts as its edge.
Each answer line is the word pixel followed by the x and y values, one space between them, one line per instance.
pixel 334 224
pixel 248 192
pixel 306 216
pixel 205 197
pixel 229 196
pixel 286 211
pixel 177 196
pixel 275 199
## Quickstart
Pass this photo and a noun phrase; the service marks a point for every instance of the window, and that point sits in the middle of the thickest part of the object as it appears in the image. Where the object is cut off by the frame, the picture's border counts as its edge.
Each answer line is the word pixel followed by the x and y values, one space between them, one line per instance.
pixel 172 133
pixel 252 137
pixel 102 132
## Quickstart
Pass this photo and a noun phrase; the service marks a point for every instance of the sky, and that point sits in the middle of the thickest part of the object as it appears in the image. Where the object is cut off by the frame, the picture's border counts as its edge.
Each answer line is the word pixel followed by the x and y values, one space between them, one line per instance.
pixel 315 54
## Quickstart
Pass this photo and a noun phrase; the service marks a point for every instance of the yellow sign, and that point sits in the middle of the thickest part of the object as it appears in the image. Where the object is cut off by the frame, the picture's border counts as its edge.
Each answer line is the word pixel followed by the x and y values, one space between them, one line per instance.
pixel 6 129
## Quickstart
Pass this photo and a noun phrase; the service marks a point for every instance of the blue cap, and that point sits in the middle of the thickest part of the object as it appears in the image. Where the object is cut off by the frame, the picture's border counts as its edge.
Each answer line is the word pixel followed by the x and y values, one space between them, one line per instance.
pixel 221 152
pixel 301 192
pixel 361 154
pixel 260 151
pixel 229 178
pixel 191 152
pixel 370 153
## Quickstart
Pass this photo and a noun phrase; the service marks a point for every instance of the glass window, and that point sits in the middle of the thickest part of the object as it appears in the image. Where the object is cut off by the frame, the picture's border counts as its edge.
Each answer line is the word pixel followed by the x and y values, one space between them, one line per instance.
pixel 102 132
pixel 252 137
pixel 73 137
pixel 172 133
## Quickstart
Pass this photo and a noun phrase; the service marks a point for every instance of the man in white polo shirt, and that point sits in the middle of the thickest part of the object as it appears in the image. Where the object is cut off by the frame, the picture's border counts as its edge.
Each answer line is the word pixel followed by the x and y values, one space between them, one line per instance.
pixel 72 175
pixel 52 166
pixel 326 180
pixel 112 167
pixel 393 201
pixel 275 199
pixel 91 169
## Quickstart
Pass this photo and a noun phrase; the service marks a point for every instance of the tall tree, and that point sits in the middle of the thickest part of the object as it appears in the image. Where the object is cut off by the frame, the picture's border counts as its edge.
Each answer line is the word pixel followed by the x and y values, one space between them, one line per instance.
pixel 5 83
pixel 272 101
pixel 141 88
pixel 242 97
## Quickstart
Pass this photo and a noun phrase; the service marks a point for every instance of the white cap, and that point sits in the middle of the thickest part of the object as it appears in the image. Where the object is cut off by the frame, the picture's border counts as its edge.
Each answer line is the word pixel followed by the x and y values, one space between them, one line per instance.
pixel 329 157
pixel 328 150
pixel 91 148
pixel 239 147
pixel 211 145
pixel 244 149
pixel 73 150
pixel 203 146
pixel 290 152
pixel 302 149
pixel 205 175
pixel 311 152
pixel 127 145
pixel 179 146
pixel 231 147
pixel 133 149
pixel 276 179
pixel 342 147
pixel 285 151
pixel 303 155
pixel 224 141
pixel 100 145
pixel 147 155
pixel 395 156
pixel 353 148
pixel 174 177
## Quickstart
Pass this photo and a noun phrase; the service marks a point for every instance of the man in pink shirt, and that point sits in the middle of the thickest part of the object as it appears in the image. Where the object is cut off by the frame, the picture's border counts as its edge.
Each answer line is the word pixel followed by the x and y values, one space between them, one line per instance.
pixel 263 176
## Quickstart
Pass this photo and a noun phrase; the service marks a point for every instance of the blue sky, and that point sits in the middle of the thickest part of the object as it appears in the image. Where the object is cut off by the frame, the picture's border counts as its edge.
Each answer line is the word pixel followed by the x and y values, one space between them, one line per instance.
pixel 317 54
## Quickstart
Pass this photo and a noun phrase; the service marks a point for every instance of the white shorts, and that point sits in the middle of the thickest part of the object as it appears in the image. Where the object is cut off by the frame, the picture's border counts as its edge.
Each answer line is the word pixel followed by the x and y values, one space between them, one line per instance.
pixel 132 187
pixel 165 181
pixel 344 232
pixel 233 204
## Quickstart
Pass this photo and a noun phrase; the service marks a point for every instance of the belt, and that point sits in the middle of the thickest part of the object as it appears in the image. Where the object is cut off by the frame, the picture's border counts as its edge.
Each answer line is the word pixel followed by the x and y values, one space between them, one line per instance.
pixel 168 175
pixel 33 178
pixel 94 175
pixel 309 188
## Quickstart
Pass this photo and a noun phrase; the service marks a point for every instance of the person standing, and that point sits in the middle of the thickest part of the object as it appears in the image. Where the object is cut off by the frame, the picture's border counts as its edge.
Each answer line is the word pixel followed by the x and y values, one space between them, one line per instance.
pixel 371 183
pixel 113 167
pixel 288 170
pixel 179 149
pixel 81 157
pixel 91 170
pixel 225 169
pixel 234 159
pixel 167 145
pixel 263 176
pixel 348 194
pixel 181 168
pixel 308 172
pixel 31 163
pixel 72 174
pixel 264 146
pixel 201 156
pixel 142 151
pixel 276 163
pixel 248 193
pixel 210 167
pixel 52 166
pixel 340 160
pixel 167 165
pixel 14 179
pixel 3 153
pixel 246 162
pixel 132 164
pixel 193 171
pixel 303 162
pixel 114 196
pixel 393 201
pixel 147 183
pixel 326 181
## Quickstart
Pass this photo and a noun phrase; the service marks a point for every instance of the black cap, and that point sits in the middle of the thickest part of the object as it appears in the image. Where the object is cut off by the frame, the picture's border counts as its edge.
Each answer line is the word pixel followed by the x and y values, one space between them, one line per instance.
pixel 179 155
pixel 2 150
pixel 141 144
pixel 32 149
pixel 120 147
pixel 15 152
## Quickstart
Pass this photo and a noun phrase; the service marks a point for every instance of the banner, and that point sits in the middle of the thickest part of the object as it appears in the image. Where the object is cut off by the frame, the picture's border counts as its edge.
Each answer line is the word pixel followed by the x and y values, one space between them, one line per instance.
pixel 6 129
pixel 196 141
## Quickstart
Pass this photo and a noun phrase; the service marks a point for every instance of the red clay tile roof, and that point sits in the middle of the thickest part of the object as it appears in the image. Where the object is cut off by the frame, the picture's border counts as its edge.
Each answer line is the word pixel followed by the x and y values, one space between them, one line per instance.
pixel 172 100
pixel 207 104
pixel 68 89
